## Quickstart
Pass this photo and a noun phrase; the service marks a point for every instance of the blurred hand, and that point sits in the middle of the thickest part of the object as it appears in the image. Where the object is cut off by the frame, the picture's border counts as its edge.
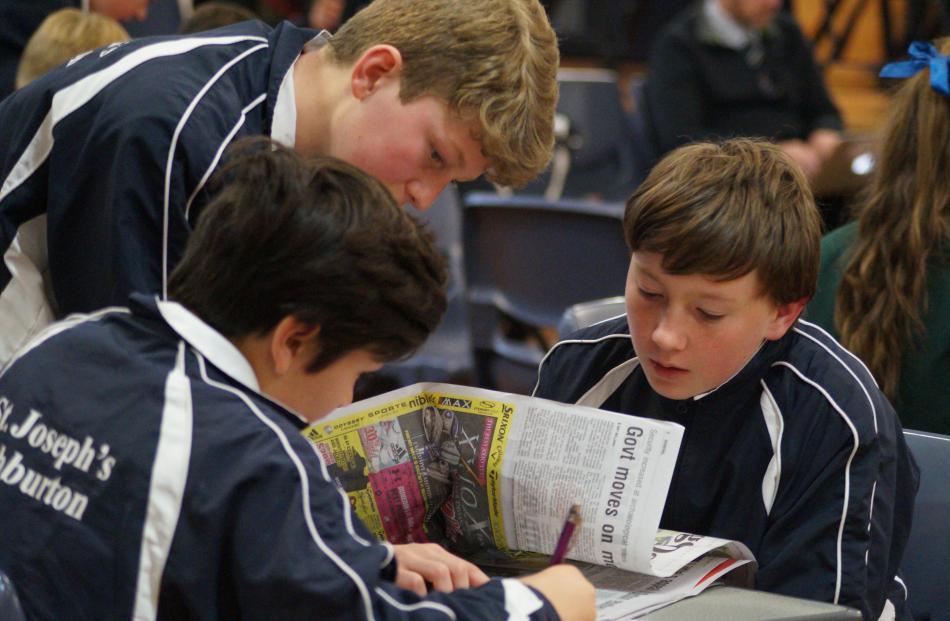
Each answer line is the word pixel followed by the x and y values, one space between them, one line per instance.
pixel 121 10
pixel 326 14
pixel 804 155
pixel 419 563
pixel 824 142
pixel 568 591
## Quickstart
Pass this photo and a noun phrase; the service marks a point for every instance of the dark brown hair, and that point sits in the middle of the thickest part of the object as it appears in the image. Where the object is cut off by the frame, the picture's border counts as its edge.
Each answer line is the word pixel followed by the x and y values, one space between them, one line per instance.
pixel 317 239
pixel 724 210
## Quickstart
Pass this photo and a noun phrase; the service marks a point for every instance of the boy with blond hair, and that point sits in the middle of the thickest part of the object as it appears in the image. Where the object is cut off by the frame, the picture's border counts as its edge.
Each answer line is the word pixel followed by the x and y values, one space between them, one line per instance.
pixel 62 35
pixel 790 447
pixel 104 167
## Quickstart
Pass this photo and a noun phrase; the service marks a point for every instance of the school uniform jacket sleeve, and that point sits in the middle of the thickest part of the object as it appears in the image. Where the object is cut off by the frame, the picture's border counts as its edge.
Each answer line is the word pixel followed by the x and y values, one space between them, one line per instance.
pixel 297 552
pixel 844 503
pixel 104 165
pixel 322 560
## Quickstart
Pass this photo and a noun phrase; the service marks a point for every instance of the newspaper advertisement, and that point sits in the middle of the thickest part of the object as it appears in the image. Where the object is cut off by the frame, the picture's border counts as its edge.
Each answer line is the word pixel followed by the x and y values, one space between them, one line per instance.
pixel 422 464
pixel 476 469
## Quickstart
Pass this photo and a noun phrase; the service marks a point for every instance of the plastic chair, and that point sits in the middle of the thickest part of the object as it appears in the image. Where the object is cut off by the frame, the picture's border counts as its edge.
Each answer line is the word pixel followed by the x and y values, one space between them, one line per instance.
pixel 645 150
pixel 446 355
pixel 526 261
pixel 588 313
pixel 592 28
pixel 925 568
pixel 595 158
pixel 10 609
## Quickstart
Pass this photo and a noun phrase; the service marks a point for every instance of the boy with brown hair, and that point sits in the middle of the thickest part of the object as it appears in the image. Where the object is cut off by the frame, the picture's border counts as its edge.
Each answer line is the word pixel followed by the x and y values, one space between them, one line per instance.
pixel 789 447
pixel 175 483
pixel 104 169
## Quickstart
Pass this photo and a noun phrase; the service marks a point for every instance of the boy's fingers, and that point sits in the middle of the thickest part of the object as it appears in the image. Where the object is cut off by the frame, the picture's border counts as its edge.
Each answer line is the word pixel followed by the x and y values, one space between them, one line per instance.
pixel 476 577
pixel 411 581
pixel 440 568
pixel 462 573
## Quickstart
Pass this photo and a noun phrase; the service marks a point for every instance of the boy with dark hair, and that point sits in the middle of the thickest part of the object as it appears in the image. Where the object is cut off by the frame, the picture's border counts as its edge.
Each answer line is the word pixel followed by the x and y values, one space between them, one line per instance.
pixel 104 162
pixel 789 447
pixel 150 456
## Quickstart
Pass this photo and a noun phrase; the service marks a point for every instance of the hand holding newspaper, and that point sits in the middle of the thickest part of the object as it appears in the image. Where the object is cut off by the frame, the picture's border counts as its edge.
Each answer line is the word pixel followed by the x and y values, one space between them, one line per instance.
pixel 490 474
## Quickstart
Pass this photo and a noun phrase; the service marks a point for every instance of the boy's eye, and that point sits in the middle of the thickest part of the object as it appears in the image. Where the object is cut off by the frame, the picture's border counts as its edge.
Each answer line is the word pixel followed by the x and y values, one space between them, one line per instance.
pixel 436 157
pixel 709 316
pixel 648 294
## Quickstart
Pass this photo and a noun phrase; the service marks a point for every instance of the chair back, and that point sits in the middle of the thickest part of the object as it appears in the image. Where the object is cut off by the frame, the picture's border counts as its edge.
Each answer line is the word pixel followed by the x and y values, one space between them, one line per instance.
pixel 586 314
pixel 592 28
pixel 10 609
pixel 602 163
pixel 645 150
pixel 594 154
pixel 526 261
pixel 446 355
pixel 925 568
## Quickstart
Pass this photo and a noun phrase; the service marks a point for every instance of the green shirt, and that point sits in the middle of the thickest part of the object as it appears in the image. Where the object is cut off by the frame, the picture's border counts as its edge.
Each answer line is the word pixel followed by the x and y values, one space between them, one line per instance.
pixel 923 395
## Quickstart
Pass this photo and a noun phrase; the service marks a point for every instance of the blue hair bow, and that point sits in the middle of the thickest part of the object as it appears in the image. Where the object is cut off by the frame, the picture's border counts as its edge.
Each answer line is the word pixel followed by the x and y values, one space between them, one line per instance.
pixel 923 55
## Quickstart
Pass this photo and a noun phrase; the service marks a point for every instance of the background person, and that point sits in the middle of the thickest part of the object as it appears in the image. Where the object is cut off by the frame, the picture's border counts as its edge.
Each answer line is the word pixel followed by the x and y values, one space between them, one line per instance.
pixel 62 36
pixel 728 68
pixel 884 284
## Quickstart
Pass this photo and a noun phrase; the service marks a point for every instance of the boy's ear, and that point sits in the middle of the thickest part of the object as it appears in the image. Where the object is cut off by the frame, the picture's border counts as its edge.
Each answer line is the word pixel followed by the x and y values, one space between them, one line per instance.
pixel 785 316
pixel 292 342
pixel 376 62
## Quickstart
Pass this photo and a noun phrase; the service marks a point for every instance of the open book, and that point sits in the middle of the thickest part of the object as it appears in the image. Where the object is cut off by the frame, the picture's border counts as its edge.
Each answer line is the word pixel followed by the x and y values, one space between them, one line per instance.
pixel 492 475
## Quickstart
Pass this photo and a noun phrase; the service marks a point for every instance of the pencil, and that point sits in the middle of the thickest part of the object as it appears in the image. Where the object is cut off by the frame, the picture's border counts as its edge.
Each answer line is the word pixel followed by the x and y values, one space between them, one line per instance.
pixel 571 524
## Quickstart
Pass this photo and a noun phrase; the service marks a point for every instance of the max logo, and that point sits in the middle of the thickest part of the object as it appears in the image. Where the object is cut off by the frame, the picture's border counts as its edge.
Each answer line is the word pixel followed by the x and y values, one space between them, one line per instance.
pixel 456 403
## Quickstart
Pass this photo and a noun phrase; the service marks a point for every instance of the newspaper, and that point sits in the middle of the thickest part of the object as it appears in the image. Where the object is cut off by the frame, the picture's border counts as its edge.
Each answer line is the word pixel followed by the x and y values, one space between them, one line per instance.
pixel 492 475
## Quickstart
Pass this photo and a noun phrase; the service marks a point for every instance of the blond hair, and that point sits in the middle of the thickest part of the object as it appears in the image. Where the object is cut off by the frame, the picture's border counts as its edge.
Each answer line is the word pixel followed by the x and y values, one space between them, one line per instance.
pixel 62 35
pixel 902 225
pixel 725 210
pixel 494 61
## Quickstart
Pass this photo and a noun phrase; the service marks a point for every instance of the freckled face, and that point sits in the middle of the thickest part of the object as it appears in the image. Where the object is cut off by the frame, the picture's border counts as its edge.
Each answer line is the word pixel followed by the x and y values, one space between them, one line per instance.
pixel 414 148
pixel 693 333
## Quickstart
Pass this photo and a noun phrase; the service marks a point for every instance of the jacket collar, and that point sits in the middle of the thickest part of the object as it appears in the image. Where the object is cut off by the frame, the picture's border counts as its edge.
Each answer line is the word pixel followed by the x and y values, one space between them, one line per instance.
pixel 718 26
pixel 714 26
pixel 286 43
pixel 210 343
